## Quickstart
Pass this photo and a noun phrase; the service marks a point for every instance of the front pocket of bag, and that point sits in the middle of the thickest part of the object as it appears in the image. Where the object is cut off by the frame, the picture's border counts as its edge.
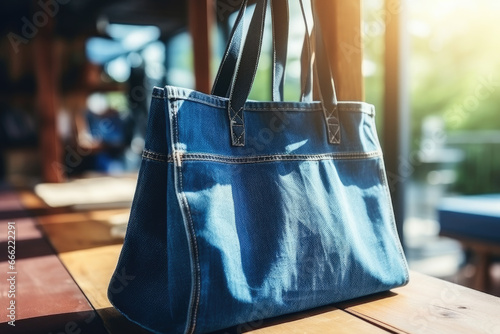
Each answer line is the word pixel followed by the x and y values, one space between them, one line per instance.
pixel 285 236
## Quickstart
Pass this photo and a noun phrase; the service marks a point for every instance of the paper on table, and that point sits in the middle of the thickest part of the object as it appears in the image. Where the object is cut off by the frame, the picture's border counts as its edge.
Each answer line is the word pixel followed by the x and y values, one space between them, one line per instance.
pixel 89 193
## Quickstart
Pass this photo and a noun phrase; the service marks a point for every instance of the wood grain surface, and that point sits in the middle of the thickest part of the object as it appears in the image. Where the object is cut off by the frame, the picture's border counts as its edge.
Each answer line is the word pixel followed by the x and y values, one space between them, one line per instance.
pixel 425 305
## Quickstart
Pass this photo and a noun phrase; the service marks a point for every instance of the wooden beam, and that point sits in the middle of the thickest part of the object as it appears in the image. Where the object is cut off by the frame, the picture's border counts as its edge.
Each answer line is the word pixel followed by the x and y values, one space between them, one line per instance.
pixel 47 78
pixel 201 19
pixel 341 23
pixel 395 143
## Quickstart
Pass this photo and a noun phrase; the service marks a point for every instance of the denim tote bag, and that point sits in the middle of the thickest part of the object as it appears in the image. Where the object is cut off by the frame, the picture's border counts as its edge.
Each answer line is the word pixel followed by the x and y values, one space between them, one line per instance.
pixel 246 210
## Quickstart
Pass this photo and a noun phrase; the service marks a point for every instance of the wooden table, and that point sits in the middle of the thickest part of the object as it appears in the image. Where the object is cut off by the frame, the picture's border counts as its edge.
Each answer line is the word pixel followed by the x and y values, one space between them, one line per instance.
pixel 61 286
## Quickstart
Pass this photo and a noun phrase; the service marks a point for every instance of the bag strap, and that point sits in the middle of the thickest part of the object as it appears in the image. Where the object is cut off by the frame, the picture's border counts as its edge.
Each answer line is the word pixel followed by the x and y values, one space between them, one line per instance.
pixel 280 24
pixel 326 83
pixel 228 64
pixel 322 73
pixel 306 62
pixel 245 72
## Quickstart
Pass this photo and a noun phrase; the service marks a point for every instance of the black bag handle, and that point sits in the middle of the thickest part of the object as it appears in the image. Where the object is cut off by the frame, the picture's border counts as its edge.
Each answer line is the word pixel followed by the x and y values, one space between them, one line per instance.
pixel 326 83
pixel 280 12
pixel 228 64
pixel 280 24
pixel 245 72
pixel 306 62
pixel 322 73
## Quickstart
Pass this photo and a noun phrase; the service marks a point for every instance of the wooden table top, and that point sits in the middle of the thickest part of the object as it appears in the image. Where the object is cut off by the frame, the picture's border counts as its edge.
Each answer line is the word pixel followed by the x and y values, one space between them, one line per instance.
pixel 61 286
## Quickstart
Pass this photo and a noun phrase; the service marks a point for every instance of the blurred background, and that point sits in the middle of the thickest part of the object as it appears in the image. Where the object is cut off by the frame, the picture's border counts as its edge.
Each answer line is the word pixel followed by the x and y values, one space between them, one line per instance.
pixel 76 79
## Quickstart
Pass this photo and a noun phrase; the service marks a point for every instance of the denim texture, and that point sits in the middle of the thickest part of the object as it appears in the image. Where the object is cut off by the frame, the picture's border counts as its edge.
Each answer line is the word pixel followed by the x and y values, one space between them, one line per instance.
pixel 221 235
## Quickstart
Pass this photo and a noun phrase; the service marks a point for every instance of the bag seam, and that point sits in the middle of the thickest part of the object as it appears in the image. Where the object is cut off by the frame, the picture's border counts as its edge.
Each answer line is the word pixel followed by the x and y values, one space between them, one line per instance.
pixel 343 106
pixel 385 185
pixel 147 154
pixel 154 156
pixel 288 109
pixel 194 254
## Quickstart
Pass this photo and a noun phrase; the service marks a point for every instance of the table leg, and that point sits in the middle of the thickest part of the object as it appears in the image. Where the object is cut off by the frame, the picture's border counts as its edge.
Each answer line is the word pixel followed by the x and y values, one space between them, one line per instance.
pixel 482 262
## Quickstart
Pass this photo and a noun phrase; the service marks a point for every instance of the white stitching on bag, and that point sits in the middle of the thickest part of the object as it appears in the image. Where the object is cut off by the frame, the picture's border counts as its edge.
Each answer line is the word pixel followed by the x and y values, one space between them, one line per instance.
pixel 259 159
pixel 193 307
pixel 218 102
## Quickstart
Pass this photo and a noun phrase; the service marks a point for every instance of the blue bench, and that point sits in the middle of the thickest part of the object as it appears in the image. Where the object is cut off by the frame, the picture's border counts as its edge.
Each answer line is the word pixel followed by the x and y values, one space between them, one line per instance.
pixel 475 222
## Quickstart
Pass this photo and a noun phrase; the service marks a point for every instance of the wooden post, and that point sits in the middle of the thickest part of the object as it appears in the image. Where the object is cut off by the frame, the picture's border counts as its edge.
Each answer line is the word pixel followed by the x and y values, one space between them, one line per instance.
pixel 47 74
pixel 396 107
pixel 201 19
pixel 341 23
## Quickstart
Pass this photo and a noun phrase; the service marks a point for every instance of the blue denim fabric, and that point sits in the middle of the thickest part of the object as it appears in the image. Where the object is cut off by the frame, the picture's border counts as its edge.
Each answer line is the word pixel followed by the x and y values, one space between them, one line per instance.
pixel 222 235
